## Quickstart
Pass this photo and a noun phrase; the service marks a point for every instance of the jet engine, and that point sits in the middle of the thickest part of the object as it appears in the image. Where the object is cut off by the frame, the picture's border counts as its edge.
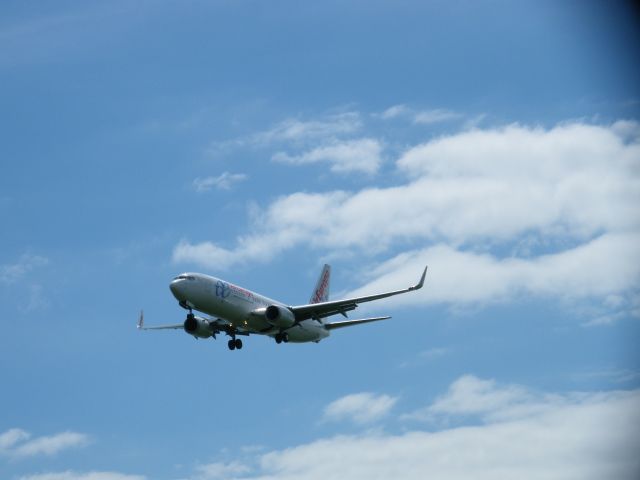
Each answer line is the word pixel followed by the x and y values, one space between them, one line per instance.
pixel 280 317
pixel 197 326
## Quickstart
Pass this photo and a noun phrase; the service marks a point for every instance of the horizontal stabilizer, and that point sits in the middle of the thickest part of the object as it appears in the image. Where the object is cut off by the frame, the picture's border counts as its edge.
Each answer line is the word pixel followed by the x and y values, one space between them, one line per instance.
pixel 349 323
pixel 160 327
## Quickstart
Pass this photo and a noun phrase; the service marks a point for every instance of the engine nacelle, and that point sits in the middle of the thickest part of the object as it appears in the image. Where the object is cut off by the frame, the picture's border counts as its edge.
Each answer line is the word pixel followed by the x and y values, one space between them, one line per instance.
pixel 197 326
pixel 280 317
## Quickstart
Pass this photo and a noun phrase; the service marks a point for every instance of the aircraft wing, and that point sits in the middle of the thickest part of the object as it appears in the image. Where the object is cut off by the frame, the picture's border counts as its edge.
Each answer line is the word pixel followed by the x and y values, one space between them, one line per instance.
pixel 326 309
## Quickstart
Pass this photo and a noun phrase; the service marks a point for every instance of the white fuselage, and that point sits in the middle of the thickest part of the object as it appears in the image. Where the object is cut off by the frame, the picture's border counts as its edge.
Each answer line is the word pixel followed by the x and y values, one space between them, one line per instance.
pixel 237 306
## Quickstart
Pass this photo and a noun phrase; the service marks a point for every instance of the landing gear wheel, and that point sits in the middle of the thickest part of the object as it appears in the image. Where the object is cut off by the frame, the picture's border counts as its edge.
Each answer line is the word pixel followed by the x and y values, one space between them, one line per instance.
pixel 282 337
pixel 238 343
pixel 232 344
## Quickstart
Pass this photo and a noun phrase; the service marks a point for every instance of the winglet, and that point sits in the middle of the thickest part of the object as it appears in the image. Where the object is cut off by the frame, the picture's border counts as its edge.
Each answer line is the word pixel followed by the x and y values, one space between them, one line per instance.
pixel 141 320
pixel 419 285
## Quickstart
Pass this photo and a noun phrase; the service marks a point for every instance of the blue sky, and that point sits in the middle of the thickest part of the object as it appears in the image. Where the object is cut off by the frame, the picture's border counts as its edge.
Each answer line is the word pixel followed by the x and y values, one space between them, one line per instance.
pixel 498 142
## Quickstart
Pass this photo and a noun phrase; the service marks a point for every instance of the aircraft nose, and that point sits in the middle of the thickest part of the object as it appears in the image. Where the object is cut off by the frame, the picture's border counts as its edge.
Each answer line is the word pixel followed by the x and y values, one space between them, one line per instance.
pixel 176 287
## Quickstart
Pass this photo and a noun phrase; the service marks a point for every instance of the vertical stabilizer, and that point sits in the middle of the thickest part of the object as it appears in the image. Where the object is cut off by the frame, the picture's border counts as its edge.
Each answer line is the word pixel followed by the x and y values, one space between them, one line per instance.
pixel 321 292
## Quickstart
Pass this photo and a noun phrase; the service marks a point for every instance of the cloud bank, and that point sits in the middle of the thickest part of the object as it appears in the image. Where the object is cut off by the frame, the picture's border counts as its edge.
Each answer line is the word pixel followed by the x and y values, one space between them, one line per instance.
pixel 478 429
pixel 18 443
pixel 498 211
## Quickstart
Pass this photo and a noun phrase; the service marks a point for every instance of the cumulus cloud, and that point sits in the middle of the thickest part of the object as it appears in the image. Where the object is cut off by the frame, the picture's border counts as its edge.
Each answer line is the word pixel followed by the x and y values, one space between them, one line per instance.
pixel 18 443
pixel 470 395
pixel 224 181
pixel 330 139
pixel 361 155
pixel 477 428
pixel 296 210
pixel 543 436
pixel 497 211
pixel 606 264
pixel 360 408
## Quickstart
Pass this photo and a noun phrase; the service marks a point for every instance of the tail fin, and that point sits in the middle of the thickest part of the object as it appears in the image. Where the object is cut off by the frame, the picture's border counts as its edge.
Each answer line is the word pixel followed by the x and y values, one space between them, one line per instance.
pixel 321 292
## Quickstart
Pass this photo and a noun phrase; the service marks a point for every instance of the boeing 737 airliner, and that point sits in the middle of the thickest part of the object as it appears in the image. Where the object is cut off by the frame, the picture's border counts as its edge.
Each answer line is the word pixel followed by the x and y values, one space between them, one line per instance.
pixel 237 311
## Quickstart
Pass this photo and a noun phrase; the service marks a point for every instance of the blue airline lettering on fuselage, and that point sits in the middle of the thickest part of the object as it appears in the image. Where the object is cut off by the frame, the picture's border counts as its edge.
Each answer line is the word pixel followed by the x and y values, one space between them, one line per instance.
pixel 222 289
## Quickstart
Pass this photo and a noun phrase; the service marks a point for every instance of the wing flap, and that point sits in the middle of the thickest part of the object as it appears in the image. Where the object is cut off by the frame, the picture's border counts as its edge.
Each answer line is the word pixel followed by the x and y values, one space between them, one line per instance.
pixel 349 323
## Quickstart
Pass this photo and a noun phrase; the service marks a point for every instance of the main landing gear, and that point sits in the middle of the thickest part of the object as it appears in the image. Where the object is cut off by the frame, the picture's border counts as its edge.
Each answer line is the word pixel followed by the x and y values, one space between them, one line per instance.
pixel 282 337
pixel 234 343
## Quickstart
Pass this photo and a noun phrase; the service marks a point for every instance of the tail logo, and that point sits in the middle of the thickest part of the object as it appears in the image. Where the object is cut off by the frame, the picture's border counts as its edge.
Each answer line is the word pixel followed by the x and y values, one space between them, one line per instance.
pixel 321 293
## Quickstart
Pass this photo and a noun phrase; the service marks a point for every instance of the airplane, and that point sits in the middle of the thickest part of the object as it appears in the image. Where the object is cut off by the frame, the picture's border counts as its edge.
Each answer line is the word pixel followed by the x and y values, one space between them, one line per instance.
pixel 240 312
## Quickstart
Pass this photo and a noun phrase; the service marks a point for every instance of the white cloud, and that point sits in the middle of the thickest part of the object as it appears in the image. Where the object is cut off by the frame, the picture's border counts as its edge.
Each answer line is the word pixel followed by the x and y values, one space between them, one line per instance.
pixel 327 139
pixel 420 117
pixel 9 438
pixel 557 436
pixel 394 112
pixel 361 155
pixel 569 194
pixel 18 443
pixel 470 395
pixel 206 254
pixel 297 132
pixel 224 181
pixel 51 445
pixel 70 475
pixel 428 117
pixel 607 264
pixel 478 428
pixel 360 408
pixel 221 470
pixel 12 273
pixel 294 130
pixel 302 211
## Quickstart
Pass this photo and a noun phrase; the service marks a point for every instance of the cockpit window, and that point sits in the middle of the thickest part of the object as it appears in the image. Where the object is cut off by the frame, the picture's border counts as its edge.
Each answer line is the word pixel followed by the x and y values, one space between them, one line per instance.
pixel 185 277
